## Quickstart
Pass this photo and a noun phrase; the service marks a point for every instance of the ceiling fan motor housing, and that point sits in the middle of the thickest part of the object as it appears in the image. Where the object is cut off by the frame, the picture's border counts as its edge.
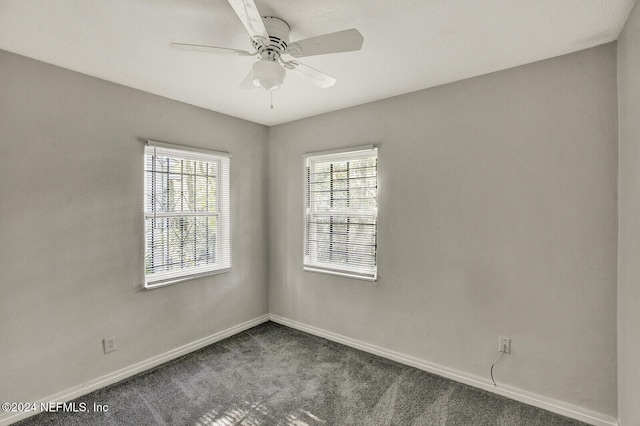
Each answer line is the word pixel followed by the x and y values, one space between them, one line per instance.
pixel 278 31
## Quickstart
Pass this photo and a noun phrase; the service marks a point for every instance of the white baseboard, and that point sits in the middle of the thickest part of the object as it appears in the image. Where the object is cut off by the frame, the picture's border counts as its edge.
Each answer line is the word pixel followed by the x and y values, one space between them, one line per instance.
pixel 549 404
pixel 100 382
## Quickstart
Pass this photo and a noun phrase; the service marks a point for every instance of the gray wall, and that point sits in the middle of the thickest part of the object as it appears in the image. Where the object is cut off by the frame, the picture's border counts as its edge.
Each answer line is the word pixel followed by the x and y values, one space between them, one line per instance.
pixel 629 225
pixel 71 190
pixel 497 216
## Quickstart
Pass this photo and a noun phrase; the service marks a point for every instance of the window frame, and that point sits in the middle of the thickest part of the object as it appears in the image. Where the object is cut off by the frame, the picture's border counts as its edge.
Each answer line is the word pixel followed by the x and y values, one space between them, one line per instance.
pixel 222 212
pixel 312 264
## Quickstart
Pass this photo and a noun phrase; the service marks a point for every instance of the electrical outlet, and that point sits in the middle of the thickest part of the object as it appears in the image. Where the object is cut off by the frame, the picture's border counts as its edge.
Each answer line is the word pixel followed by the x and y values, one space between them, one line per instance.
pixel 504 345
pixel 109 344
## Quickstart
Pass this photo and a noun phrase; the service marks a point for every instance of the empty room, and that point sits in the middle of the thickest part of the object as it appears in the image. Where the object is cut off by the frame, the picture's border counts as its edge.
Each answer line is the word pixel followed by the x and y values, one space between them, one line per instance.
pixel 268 212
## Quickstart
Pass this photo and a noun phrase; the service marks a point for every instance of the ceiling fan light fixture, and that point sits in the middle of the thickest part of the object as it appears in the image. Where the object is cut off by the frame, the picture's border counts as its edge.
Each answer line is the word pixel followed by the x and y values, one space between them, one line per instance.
pixel 268 75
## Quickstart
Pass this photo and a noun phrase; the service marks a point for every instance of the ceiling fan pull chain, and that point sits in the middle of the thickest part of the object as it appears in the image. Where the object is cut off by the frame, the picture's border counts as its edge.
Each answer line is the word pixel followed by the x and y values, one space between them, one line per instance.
pixel 271 91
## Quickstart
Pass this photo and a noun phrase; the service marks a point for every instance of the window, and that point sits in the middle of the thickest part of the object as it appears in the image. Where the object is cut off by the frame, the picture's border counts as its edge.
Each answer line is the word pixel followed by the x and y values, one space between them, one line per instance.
pixel 186 214
pixel 341 213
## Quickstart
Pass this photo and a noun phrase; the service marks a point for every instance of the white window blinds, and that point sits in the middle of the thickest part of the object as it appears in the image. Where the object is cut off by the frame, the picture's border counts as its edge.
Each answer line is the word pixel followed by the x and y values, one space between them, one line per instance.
pixel 187 229
pixel 341 213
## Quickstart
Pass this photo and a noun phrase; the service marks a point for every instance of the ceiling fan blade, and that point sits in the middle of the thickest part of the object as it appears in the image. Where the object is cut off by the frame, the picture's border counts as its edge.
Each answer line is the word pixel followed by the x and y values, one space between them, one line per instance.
pixel 209 49
pixel 250 17
pixel 316 77
pixel 341 41
pixel 247 83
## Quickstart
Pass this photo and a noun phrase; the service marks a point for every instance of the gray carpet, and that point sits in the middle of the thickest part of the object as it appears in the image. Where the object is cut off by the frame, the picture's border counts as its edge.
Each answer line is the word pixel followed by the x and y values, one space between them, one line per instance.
pixel 274 375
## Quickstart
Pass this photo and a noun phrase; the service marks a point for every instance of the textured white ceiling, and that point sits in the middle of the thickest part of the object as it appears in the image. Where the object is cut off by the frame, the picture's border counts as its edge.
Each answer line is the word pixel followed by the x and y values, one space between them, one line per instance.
pixel 408 45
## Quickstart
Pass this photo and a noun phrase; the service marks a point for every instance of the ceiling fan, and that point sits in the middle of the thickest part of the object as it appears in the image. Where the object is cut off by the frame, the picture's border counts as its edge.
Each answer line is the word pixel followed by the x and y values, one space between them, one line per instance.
pixel 270 39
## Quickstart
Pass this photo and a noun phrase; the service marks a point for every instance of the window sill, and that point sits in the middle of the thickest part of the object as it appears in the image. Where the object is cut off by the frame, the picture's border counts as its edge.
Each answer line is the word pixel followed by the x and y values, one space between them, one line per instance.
pixel 150 285
pixel 341 274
